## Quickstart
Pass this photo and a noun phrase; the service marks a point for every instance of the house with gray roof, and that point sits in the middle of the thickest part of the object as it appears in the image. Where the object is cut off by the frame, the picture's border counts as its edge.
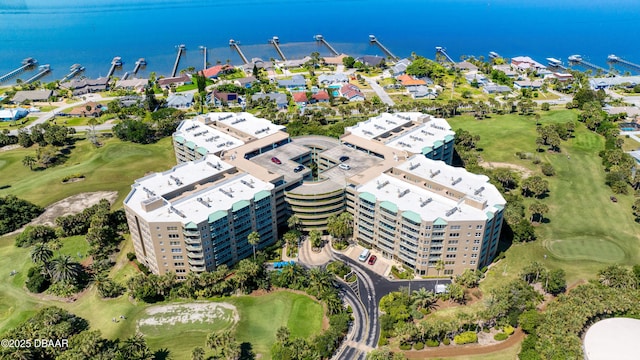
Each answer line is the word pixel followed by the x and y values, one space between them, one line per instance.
pixel 297 81
pixel 279 98
pixel 496 89
pixel 180 100
pixel 400 67
pixel 466 66
pixel 85 86
pixel 422 92
pixel 32 95
pixel 327 79
pixel 165 83
pixel 133 84
pixel 245 82
pixel 371 60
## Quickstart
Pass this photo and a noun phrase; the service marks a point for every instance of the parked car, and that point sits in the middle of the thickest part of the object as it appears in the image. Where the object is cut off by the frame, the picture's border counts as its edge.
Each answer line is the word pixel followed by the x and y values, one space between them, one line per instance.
pixel 275 160
pixel 344 158
pixel 298 168
pixel 344 167
pixel 372 259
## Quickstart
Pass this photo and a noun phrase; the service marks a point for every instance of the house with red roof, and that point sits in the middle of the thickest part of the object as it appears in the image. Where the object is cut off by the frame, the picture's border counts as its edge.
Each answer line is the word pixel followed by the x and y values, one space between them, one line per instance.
pixel 351 92
pixel 300 98
pixel 408 81
pixel 215 71
pixel 320 96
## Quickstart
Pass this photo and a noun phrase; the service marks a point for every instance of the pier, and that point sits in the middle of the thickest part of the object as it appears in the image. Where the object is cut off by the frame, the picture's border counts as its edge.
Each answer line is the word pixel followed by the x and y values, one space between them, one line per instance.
pixel 374 40
pixel 26 64
pixel 578 60
pixel 181 49
pixel 236 45
pixel 555 63
pixel 116 62
pixel 612 59
pixel 74 70
pixel 442 51
pixel 139 64
pixel 275 41
pixel 320 38
pixel 204 52
pixel 494 55
pixel 42 71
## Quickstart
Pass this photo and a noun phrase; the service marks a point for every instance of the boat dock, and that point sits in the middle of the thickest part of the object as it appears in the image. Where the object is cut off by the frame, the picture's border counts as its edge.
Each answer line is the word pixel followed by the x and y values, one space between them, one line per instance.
pixel 139 64
pixel 494 55
pixel 116 62
pixel 374 40
pixel 275 41
pixel 321 39
pixel 74 70
pixel 578 60
pixel 181 49
pixel 612 59
pixel 204 54
pixel 26 64
pixel 42 71
pixel 556 64
pixel 442 51
pixel 236 45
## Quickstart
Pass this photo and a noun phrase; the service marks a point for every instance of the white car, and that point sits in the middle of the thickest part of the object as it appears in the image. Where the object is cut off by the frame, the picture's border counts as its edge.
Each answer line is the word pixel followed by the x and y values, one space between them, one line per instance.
pixel 344 167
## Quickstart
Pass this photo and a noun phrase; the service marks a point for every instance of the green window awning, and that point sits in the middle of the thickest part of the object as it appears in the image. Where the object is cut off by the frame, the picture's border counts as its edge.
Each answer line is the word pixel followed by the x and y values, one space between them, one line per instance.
pixel 498 206
pixel 437 143
pixel 191 145
pixel 202 150
pixel 412 216
pixel 440 221
pixel 448 138
pixel 426 150
pixel 389 206
pixel 220 214
pixel 261 195
pixel 191 226
pixel 240 205
pixel 179 139
pixel 489 215
pixel 368 197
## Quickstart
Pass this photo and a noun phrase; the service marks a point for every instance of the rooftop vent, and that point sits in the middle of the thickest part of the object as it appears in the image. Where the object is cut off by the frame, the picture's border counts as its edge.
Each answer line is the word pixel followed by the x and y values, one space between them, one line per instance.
pixel 478 191
pixel 452 211
pixel 456 181
pixel 424 203
pixel 403 193
pixel 383 184
pixel 434 173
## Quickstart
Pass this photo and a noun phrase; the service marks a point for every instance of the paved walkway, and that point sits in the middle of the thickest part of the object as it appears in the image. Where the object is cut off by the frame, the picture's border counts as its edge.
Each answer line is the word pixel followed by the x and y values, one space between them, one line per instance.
pixel 379 91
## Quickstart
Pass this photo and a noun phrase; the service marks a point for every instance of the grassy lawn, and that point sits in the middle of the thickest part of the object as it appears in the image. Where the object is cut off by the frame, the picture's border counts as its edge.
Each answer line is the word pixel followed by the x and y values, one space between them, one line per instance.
pixel 579 236
pixel 13 125
pixel 114 166
pixel 630 144
pixel 506 354
pixel 75 246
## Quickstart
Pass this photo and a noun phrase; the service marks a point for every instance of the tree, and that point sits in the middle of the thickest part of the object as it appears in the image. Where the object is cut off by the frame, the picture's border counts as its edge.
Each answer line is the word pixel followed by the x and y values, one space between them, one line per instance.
pixel 534 186
pixel 15 212
pixel 197 353
pixel 469 278
pixel 340 226
pixel 63 268
pixel 529 321
pixel 290 238
pixel 423 298
pixel 439 266
pixel 533 272
pixel 315 236
pixel 29 161
pixel 455 292
pixel 636 209
pixel 41 253
pixel 538 210
pixel 134 131
pixel 555 282
pixel 283 334
pixel 348 62
pixel 135 348
pixel 294 223
pixel 253 239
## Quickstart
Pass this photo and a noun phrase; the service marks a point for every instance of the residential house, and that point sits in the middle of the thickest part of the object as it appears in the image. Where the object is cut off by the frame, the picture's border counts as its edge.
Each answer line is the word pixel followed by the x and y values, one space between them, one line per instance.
pixel 632 112
pixel 215 71
pixel 138 85
pixel 351 92
pixel 337 78
pixel 320 96
pixel 258 63
pixel 294 63
pixel 279 98
pixel 568 77
pixel 165 83
pixel 409 81
pixel 400 67
pixel 13 114
pixel 524 63
pixel 180 100
pixel 300 98
pixel 528 84
pixel 508 70
pixel 296 82
pixel 370 60
pixel 496 89
pixel 224 98
pixel 127 101
pixel 89 109
pixel 423 92
pixel 32 95
pixel 85 86
pixel 245 82
pixel 477 77
pixel 334 60
pixel 466 66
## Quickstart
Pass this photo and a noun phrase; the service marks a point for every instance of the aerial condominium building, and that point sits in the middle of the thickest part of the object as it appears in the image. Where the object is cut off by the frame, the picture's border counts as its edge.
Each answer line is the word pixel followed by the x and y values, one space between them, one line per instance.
pixel 198 215
pixel 238 174
pixel 422 211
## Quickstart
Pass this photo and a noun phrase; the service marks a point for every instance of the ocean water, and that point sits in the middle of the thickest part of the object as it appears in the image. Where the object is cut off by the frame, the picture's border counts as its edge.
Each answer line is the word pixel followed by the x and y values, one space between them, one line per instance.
pixel 92 32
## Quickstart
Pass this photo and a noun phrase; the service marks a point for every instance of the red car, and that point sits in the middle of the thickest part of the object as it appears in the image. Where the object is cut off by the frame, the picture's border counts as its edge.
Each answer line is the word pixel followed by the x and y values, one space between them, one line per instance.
pixel 276 160
pixel 372 259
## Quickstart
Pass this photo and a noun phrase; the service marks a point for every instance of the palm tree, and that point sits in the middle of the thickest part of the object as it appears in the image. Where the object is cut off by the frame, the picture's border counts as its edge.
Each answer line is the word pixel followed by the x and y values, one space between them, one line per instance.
pixel 63 268
pixel 423 298
pixel 290 238
pixel 315 237
pixel 321 280
pixel 29 161
pixel 41 254
pixel 282 335
pixel 254 239
pixel 293 222
pixel 197 353
pixel 538 210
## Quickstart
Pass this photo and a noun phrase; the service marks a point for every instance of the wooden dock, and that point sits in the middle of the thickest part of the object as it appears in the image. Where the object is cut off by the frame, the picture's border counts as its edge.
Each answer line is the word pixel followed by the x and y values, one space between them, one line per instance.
pixel 374 41
pixel 42 71
pixel 236 45
pixel 74 70
pixel 275 41
pixel 181 49
pixel 26 64
pixel 116 62
pixel 324 42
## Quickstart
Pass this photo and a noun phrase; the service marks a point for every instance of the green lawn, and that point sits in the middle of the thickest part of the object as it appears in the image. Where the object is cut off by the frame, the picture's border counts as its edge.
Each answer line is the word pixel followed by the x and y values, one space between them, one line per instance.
pixel 14 125
pixel 114 166
pixel 75 246
pixel 580 237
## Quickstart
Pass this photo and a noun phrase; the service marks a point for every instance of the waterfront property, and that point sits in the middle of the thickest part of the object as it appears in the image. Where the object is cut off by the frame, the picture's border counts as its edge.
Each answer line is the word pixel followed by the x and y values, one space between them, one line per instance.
pixel 165 83
pixel 137 85
pixel 31 95
pixel 86 86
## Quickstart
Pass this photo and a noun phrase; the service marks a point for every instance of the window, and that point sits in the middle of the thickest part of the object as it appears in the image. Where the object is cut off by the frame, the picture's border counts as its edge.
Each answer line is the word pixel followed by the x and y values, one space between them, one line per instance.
pixel 178 264
pixel 181 271
pixel 161 243
pixel 476 241
pixel 174 236
pixel 449 262
pixel 450 256
pixel 178 250
pixel 454 234
pixel 475 248
pixel 478 227
pixel 474 255
pixel 448 272
pixel 174 228
pixel 455 227
pixel 478 234
pixel 473 262
pixel 177 257
pixel 159 235
pixel 453 242
pixel 451 249
pixel 174 243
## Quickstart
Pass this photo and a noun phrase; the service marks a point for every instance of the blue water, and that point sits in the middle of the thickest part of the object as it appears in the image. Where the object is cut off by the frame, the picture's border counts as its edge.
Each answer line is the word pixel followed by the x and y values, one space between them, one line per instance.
pixel 92 32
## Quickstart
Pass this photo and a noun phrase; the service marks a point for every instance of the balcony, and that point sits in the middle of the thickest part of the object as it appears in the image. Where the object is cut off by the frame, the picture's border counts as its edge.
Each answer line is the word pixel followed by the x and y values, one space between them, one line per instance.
pixel 191 233
pixel 193 262
pixel 197 268
pixel 194 248
pixel 189 241
pixel 195 255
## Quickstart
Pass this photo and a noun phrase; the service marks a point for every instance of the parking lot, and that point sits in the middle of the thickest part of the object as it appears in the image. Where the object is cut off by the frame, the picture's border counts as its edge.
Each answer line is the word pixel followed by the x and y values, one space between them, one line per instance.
pixel 381 267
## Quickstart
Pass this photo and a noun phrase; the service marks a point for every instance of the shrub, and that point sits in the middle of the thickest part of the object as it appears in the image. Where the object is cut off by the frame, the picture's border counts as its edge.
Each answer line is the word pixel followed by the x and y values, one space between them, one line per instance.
pixel 383 341
pixel 446 341
pixel 37 283
pixel 131 256
pixel 417 315
pixel 72 176
pixel 508 330
pixel 500 336
pixel 547 169
pixel 142 267
pixel 467 337
pixel 486 330
pixel 418 346
pixel 432 343
pixel 405 347
pixel 34 234
pixel 545 106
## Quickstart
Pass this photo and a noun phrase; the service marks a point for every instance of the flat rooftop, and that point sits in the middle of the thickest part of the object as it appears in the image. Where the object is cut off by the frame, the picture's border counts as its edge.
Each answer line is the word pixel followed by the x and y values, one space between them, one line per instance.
pixel 382 124
pixel 207 137
pixel 614 338
pixel 423 136
pixel 475 187
pixel 244 122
